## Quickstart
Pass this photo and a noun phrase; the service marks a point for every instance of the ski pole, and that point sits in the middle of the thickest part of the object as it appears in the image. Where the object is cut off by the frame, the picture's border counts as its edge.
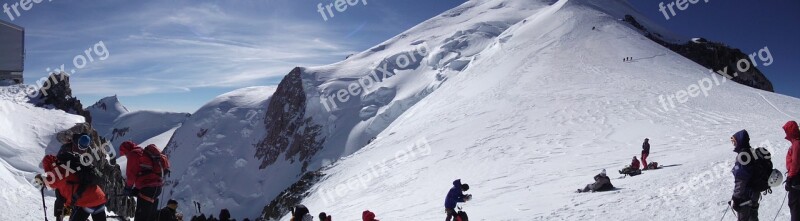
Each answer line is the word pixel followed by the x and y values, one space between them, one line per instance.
pixel 725 213
pixel 43 204
pixel 780 208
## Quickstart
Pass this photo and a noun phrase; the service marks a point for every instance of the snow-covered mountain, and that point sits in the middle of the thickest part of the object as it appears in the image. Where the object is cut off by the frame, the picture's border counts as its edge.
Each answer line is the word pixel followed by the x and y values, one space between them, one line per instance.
pixel 115 122
pixel 525 100
pixel 27 132
pixel 212 155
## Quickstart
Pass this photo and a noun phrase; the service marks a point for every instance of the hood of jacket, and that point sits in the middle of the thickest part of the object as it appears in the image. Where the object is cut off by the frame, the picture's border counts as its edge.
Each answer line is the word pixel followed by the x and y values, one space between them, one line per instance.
pixel 742 141
pixel 792 131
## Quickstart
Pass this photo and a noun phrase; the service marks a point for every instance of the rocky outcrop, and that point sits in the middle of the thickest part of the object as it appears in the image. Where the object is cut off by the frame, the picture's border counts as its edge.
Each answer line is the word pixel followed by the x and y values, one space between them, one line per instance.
pixel 289 131
pixel 281 205
pixel 712 55
pixel 56 92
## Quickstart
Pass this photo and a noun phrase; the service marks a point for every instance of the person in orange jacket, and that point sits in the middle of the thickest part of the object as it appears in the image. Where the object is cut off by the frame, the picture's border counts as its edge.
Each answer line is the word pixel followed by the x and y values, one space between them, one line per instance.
pixel 91 202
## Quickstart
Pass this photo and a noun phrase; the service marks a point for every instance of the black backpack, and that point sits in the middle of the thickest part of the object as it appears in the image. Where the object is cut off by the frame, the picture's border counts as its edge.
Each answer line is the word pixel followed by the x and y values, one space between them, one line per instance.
pixel 761 168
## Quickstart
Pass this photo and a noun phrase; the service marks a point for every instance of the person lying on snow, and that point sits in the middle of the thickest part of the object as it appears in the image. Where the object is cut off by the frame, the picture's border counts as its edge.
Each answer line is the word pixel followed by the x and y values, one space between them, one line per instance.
pixel 633 169
pixel 601 183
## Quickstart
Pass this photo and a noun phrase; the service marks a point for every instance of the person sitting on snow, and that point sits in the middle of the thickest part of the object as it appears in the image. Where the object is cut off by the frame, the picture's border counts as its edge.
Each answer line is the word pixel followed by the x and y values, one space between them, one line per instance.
pixel 601 183
pixel 633 169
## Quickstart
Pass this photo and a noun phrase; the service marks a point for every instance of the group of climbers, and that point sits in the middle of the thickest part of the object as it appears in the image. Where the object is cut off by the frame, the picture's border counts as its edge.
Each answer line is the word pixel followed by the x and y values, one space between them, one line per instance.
pixel 301 213
pixel 754 174
pixel 77 183
pixel 454 196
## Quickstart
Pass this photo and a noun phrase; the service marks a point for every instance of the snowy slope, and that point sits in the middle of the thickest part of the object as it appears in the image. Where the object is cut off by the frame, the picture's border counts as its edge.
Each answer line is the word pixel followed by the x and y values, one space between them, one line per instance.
pixel 541 110
pixel 26 134
pixel 447 43
pixel 116 123
pixel 212 155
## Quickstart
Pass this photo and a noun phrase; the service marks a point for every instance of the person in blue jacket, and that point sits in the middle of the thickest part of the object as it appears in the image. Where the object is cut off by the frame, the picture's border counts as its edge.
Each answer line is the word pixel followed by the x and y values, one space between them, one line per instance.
pixel 455 196
pixel 744 200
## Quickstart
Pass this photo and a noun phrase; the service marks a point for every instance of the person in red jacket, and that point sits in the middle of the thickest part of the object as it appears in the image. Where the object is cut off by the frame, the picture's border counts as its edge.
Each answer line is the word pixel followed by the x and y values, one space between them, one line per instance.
pixel 635 163
pixel 89 203
pixel 368 216
pixel 144 184
pixel 793 168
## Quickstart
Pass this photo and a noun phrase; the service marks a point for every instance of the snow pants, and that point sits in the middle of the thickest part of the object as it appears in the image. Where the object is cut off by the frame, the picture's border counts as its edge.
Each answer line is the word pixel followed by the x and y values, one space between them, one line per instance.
pixel 794 204
pixel 147 204
pixel 80 214
pixel 644 160
pixel 451 214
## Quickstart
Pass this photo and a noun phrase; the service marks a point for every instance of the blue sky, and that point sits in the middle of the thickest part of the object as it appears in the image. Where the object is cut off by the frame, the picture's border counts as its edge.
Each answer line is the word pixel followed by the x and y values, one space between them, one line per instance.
pixel 177 55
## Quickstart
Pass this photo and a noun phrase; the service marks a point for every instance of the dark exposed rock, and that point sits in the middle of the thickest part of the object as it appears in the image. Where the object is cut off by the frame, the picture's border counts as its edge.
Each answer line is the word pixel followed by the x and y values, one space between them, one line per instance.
pixel 712 55
pixel 281 205
pixel 289 130
pixel 56 92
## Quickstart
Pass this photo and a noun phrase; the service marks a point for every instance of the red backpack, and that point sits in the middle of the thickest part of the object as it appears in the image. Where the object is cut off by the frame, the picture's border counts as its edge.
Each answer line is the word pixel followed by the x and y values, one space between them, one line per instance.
pixel 154 161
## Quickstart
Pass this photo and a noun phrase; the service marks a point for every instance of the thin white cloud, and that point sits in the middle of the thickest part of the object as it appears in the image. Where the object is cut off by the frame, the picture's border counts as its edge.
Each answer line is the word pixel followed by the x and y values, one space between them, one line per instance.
pixel 194 46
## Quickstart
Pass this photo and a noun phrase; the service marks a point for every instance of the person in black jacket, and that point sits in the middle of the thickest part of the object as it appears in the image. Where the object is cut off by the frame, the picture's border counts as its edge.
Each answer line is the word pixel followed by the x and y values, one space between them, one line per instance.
pixel 744 200
pixel 645 152
pixel 601 183
pixel 169 212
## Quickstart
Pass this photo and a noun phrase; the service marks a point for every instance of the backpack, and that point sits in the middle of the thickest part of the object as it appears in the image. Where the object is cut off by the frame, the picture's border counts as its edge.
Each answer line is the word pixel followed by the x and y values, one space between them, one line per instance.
pixel 156 162
pixel 761 167
pixel 462 216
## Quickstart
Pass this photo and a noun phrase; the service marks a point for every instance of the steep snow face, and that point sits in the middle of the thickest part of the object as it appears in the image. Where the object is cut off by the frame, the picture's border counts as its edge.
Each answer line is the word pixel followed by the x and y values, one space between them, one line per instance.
pixel 212 156
pixel 105 112
pixel 114 122
pixel 544 108
pixel 26 134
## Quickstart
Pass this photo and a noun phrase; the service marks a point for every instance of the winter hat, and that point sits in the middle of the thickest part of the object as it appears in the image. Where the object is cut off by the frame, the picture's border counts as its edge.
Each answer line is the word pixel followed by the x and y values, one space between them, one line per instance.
pixel 171 201
pixel 322 216
pixel 464 187
pixel 603 172
pixel 84 142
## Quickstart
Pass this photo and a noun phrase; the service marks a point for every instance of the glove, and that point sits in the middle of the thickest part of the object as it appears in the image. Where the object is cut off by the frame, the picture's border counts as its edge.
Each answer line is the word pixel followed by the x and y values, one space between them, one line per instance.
pixel 735 204
pixel 130 191
pixel 467 197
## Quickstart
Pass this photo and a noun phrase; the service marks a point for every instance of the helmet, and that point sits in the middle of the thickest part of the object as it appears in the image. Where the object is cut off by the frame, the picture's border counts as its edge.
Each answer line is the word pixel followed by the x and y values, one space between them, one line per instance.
pixel 84 142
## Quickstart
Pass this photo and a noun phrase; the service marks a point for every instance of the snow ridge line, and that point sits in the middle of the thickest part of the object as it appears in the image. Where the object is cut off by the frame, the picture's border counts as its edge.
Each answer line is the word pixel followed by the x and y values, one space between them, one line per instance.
pixel 774 107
